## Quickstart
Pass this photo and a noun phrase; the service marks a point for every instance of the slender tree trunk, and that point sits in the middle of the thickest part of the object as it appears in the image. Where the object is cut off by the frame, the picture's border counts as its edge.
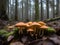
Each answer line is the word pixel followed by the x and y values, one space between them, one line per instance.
pixel 26 11
pixel 30 9
pixel 36 10
pixel 47 7
pixel 22 10
pixel 41 10
pixel 8 8
pixel 16 12
pixel 57 13
pixel 53 10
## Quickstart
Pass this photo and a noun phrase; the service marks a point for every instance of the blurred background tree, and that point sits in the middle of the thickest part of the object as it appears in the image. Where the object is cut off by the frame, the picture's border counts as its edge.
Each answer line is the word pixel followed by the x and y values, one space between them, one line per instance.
pixel 32 10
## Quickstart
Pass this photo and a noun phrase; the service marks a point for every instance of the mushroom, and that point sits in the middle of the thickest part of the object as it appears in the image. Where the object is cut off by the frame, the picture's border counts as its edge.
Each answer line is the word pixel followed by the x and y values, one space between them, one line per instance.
pixel 21 25
pixel 43 29
pixel 34 26
pixel 10 28
pixel 30 30
pixel 41 23
pixel 28 24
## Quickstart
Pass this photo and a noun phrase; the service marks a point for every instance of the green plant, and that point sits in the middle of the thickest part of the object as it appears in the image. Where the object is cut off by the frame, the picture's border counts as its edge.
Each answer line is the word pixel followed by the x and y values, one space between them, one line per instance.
pixel 50 30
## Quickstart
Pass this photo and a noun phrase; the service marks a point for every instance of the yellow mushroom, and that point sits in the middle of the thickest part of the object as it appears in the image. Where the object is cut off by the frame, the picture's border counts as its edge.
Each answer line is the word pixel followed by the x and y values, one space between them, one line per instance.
pixel 34 26
pixel 28 24
pixel 43 29
pixel 30 30
pixel 22 26
pixel 41 23
pixel 10 28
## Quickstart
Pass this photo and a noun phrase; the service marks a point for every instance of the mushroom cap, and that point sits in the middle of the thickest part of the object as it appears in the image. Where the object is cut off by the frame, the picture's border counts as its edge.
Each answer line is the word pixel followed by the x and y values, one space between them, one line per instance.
pixel 20 24
pixel 11 27
pixel 30 23
pixel 35 24
pixel 44 27
pixel 30 30
pixel 27 25
pixel 41 23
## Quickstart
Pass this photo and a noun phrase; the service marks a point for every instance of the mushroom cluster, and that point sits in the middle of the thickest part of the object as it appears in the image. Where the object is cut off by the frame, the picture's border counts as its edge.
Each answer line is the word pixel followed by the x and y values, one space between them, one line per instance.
pixel 34 28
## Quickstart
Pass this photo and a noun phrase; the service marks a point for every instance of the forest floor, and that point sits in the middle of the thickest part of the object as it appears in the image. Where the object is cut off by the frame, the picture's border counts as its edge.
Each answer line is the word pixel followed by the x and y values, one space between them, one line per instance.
pixel 49 40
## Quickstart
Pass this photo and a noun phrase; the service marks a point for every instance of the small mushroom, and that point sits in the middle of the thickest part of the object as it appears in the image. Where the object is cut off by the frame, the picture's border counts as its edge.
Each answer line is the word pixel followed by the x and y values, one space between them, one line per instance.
pixel 35 25
pixel 42 23
pixel 28 24
pixel 43 29
pixel 21 25
pixel 10 28
pixel 30 30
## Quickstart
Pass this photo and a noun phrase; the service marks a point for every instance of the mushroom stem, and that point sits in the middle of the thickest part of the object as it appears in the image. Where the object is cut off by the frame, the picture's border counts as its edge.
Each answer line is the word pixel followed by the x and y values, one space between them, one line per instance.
pixel 30 33
pixel 42 33
pixel 36 36
pixel 21 31
pixel 39 33
pixel 34 30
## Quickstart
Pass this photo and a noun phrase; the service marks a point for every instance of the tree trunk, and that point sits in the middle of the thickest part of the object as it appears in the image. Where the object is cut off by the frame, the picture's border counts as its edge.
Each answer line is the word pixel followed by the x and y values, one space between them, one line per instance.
pixel 36 10
pixel 30 10
pixel 41 10
pixel 26 11
pixel 47 7
pixel 22 10
pixel 53 10
pixel 16 12
pixel 57 11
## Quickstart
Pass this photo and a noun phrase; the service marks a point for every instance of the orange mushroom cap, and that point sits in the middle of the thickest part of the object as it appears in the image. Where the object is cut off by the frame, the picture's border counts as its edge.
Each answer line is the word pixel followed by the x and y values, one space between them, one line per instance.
pixel 42 23
pixel 44 27
pixel 20 24
pixel 30 23
pixel 27 25
pixel 30 30
pixel 11 27
pixel 35 24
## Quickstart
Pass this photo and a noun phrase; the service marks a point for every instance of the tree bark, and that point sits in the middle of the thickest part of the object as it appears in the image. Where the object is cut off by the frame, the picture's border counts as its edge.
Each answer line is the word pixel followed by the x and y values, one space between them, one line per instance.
pixel 57 11
pixel 53 10
pixel 36 10
pixel 41 10
pixel 16 12
pixel 22 10
pixel 47 7
pixel 26 11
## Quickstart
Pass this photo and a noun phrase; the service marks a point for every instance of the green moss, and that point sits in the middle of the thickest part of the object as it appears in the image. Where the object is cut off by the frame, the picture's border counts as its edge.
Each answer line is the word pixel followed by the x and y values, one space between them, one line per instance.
pixel 16 34
pixel 50 29
pixel 2 32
